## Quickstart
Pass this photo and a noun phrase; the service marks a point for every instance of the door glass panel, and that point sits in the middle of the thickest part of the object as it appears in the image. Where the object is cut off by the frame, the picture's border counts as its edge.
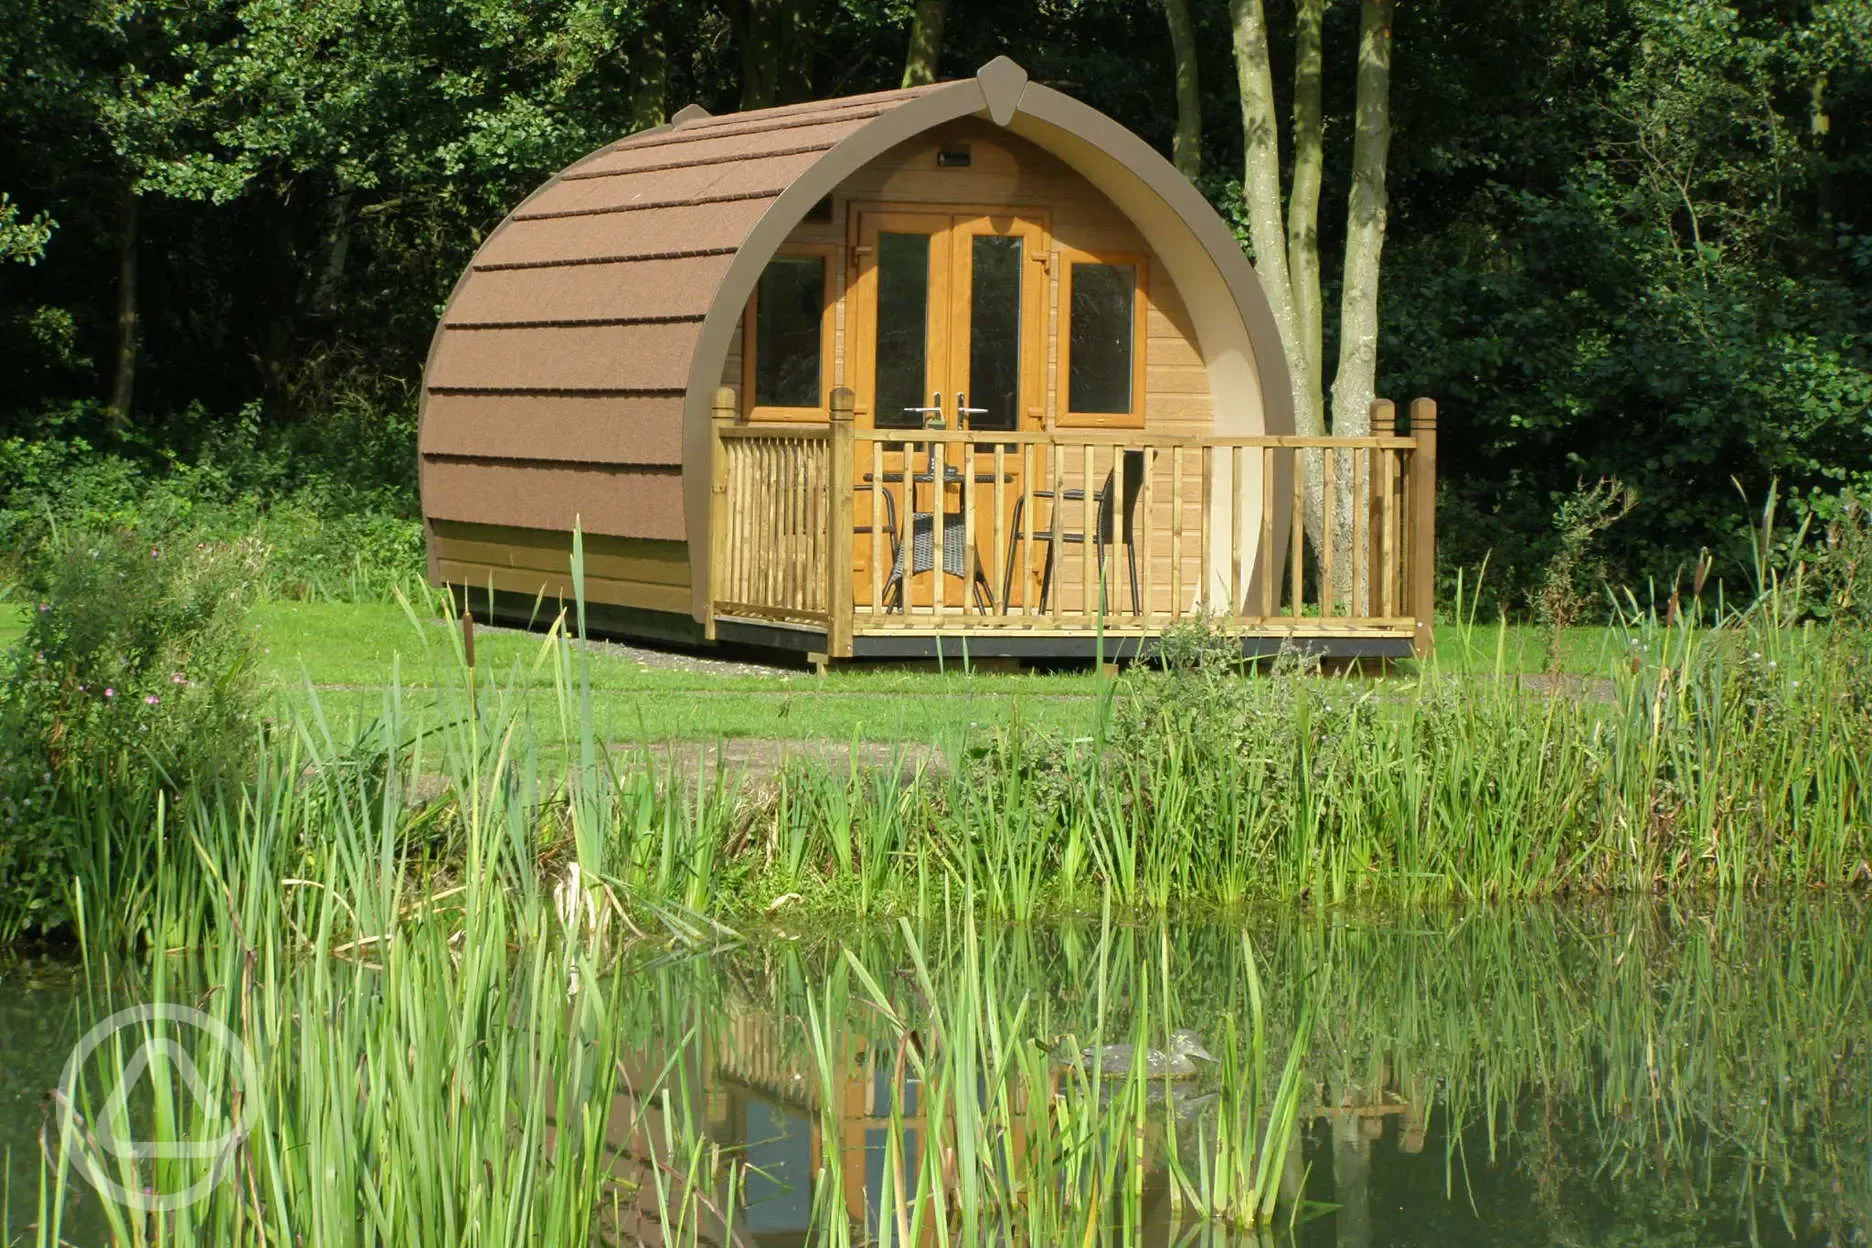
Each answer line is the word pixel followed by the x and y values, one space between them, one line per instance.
pixel 903 289
pixel 994 331
pixel 1103 314
pixel 789 312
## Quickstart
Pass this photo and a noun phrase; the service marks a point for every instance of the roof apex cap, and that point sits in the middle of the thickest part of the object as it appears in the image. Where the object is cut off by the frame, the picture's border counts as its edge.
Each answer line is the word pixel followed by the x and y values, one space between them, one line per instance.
pixel 1002 84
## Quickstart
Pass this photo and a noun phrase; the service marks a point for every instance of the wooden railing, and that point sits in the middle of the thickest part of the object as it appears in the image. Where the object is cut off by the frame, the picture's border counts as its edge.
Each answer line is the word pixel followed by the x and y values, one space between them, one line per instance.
pixel 1069 531
pixel 773 501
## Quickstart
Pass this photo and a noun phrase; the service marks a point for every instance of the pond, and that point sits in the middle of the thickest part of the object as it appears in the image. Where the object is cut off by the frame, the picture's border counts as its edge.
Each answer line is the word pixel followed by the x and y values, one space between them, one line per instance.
pixel 1582 1074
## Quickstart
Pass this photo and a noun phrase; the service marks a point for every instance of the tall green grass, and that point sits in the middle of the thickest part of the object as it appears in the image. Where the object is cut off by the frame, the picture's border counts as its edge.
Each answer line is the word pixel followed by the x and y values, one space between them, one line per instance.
pixel 416 927
pixel 1726 752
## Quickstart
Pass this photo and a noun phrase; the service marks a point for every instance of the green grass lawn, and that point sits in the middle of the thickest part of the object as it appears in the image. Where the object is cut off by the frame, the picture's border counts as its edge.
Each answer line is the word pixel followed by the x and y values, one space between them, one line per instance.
pixel 344 656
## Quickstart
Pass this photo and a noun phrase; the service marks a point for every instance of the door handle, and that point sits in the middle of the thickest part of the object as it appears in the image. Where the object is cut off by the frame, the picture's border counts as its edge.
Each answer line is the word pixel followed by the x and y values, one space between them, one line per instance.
pixel 963 410
pixel 935 410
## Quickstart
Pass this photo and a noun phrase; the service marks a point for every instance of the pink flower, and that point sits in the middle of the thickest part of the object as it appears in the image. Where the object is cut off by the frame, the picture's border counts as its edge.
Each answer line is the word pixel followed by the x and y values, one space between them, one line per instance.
pixel 178 679
pixel 151 700
pixel 110 693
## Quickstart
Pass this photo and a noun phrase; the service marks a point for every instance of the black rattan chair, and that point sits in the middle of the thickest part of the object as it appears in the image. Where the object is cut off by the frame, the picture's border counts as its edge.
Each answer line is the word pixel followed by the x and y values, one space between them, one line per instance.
pixel 921 556
pixel 1108 507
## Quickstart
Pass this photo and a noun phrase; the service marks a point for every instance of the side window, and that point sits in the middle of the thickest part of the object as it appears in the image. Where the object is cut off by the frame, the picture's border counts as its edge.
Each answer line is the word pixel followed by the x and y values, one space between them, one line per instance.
pixel 1102 309
pixel 786 339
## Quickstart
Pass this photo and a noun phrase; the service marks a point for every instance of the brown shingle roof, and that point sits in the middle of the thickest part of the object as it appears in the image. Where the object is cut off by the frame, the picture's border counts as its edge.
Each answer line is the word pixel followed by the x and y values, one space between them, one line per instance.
pixel 569 339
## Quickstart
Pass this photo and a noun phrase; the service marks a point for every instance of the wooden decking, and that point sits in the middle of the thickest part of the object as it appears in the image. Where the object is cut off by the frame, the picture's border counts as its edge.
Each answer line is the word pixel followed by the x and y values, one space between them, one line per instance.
pixel 817 532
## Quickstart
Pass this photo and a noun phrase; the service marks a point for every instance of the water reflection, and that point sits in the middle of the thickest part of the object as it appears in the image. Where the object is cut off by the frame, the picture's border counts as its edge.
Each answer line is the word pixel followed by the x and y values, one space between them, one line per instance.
pixel 1607 1075
pixel 1585 1076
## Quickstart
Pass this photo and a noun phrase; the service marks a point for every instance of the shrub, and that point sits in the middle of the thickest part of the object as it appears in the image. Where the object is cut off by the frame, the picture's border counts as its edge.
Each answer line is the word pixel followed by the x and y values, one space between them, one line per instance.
pixel 135 679
pixel 331 508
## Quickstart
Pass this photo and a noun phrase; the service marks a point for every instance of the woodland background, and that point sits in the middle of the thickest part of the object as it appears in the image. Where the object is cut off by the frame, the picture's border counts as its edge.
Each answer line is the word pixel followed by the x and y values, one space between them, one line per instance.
pixel 1626 238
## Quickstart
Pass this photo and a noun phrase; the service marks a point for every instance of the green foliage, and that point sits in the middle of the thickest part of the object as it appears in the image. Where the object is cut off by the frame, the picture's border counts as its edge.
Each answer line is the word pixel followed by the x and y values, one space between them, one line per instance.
pixel 1638 255
pixel 134 681
pixel 1571 574
pixel 23 239
pixel 325 525
pixel 1840 568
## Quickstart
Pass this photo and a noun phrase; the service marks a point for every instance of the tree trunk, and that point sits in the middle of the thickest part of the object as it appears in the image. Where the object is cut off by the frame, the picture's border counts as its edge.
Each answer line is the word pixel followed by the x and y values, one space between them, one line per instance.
pixel 1261 191
pixel 325 294
pixel 1309 161
pixel 1186 148
pixel 123 381
pixel 799 29
pixel 1303 254
pixel 649 100
pixel 926 32
pixel 761 27
pixel 1355 381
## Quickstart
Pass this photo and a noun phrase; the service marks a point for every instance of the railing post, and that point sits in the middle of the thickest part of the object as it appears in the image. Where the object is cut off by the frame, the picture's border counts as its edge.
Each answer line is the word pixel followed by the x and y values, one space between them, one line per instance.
pixel 839 518
pixel 1383 425
pixel 723 412
pixel 1423 428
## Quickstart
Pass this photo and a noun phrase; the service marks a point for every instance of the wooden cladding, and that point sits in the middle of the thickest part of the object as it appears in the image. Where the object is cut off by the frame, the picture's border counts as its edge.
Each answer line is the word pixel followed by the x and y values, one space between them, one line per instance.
pixel 535 563
pixel 1074 531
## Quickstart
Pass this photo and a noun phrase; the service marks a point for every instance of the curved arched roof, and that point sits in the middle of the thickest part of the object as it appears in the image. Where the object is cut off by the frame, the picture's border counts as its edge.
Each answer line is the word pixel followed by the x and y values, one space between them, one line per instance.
pixel 574 364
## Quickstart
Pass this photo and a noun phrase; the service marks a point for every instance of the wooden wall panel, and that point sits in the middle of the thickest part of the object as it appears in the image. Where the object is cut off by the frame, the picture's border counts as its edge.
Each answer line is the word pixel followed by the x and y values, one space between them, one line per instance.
pixel 625 572
pixel 613 558
pixel 532 583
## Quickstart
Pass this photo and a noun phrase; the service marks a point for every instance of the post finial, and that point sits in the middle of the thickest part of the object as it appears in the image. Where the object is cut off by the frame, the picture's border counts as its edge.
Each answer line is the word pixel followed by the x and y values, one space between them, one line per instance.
pixel 724 406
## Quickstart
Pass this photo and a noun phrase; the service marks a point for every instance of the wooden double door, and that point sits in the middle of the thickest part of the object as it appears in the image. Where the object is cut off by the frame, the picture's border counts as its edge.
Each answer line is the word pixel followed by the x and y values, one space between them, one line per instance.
pixel 947 323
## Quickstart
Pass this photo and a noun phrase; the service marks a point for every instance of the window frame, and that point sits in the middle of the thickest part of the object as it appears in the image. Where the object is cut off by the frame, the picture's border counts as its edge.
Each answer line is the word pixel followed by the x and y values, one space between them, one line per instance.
pixel 754 413
pixel 1140 322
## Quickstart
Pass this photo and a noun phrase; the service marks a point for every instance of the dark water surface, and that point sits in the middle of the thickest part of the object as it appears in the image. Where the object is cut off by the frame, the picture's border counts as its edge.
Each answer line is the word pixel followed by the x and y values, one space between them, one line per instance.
pixel 1584 1075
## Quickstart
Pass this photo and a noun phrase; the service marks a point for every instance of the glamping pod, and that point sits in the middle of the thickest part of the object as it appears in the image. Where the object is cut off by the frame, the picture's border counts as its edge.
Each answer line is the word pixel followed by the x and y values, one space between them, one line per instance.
pixel 961 368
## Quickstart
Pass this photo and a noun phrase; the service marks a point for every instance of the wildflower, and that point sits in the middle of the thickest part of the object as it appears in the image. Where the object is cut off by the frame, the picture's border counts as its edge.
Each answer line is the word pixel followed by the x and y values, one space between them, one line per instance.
pixel 109 692
pixel 178 679
pixel 151 700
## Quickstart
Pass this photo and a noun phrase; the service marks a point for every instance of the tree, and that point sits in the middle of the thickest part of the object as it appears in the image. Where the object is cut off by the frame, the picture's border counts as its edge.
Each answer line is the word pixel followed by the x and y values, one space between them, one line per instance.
pixel 1286 243
pixel 926 32
pixel 1186 149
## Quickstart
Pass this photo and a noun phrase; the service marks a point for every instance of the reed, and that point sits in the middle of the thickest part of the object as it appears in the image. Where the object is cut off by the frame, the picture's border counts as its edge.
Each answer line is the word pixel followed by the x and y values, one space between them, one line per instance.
pixel 416 924
pixel 1726 750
